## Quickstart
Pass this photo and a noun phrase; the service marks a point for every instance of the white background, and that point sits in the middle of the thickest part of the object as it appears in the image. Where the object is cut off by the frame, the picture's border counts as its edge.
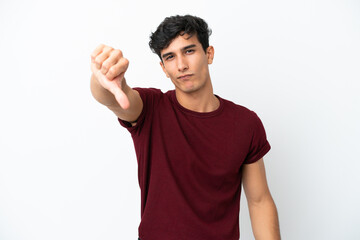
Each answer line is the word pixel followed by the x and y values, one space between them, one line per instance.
pixel 67 168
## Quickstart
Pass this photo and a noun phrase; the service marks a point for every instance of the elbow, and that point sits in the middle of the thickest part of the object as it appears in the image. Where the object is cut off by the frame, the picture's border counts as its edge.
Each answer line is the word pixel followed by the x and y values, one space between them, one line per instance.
pixel 263 200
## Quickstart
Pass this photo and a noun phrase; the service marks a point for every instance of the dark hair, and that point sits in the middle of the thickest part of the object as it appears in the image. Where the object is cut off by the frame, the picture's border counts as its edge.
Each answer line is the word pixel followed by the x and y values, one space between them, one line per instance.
pixel 177 25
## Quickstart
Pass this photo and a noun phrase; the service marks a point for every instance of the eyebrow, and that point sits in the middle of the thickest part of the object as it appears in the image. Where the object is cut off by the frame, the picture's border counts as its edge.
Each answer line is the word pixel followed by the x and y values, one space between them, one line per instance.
pixel 183 49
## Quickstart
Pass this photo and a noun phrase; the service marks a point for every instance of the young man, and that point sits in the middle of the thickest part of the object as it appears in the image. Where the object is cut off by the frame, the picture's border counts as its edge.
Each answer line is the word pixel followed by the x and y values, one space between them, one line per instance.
pixel 194 149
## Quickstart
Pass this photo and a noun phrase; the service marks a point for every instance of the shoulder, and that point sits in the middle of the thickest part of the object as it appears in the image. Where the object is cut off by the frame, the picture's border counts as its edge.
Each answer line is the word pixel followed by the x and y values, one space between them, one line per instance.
pixel 245 119
pixel 238 110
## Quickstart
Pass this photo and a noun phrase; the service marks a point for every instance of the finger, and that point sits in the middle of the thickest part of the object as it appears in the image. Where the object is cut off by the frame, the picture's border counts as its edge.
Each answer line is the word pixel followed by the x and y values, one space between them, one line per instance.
pixel 119 68
pixel 99 59
pixel 114 57
pixel 95 71
pixel 93 67
pixel 121 98
pixel 97 51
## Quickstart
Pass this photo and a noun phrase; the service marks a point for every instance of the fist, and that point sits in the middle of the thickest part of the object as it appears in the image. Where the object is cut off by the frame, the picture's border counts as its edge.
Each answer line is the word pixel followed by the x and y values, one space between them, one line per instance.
pixel 109 66
pixel 109 61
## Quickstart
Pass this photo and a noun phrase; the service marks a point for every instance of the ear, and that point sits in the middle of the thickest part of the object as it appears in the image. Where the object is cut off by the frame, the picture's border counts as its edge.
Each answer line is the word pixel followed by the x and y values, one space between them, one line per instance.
pixel 210 54
pixel 164 69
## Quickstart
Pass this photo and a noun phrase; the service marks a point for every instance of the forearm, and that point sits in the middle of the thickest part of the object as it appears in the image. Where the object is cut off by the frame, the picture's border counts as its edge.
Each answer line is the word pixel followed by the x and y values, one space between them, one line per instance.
pixel 264 220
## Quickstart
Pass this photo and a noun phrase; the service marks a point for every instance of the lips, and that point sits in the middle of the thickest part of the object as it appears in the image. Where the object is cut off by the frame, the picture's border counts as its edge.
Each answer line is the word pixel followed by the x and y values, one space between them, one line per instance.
pixel 185 76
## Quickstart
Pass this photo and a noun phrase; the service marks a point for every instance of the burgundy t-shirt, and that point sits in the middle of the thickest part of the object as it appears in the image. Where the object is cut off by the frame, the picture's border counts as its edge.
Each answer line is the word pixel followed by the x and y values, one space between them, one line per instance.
pixel 189 166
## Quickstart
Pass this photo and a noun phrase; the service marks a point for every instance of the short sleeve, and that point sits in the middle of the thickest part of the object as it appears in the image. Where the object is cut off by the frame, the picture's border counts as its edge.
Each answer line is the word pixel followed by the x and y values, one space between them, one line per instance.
pixel 149 97
pixel 259 144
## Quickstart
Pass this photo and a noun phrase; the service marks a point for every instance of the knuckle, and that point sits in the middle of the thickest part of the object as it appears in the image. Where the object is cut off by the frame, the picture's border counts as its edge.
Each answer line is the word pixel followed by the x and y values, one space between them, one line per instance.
pixel 109 76
pixel 98 60
pixel 99 48
pixel 103 71
pixel 108 49
pixel 112 71
pixel 117 53
pixel 105 66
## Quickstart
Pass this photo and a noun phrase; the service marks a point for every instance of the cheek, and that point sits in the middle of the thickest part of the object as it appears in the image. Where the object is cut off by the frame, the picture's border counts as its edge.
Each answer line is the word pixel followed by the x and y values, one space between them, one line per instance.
pixel 170 71
pixel 203 68
pixel 200 64
pixel 170 75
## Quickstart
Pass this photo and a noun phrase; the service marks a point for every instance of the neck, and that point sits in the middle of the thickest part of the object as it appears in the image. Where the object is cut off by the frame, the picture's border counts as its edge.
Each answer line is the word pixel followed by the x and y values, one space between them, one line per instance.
pixel 198 101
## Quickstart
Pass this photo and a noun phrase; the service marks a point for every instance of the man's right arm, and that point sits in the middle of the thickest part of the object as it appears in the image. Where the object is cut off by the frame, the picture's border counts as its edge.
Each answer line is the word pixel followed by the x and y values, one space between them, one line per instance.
pixel 108 84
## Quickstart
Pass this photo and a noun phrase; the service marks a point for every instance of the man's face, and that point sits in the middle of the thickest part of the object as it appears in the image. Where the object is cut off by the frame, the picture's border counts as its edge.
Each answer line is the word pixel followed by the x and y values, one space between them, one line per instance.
pixel 186 63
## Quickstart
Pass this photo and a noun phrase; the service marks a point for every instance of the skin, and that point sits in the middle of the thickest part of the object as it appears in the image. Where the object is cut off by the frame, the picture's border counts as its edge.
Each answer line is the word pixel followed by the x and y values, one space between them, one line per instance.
pixel 186 57
pixel 262 209
pixel 187 65
pixel 108 84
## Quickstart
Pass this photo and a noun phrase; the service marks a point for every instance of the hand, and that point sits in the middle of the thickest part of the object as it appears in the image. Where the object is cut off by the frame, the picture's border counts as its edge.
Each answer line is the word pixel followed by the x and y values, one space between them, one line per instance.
pixel 109 67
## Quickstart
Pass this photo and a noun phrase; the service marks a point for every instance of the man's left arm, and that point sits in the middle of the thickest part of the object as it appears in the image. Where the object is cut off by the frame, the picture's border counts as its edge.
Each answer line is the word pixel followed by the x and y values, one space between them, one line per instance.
pixel 262 209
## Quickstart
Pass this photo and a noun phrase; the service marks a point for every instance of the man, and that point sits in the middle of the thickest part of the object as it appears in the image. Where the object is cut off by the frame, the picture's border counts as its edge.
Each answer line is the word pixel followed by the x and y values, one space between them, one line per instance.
pixel 194 148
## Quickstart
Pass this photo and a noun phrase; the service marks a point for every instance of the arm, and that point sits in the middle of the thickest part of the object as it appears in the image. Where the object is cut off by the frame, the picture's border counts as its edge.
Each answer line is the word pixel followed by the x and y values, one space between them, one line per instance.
pixel 108 84
pixel 262 209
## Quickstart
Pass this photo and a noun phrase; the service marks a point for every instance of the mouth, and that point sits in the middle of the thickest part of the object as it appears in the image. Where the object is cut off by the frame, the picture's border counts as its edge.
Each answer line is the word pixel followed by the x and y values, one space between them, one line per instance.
pixel 185 77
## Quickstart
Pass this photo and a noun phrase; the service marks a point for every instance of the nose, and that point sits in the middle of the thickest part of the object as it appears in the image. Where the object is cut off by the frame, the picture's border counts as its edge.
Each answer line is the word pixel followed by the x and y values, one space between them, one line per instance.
pixel 182 64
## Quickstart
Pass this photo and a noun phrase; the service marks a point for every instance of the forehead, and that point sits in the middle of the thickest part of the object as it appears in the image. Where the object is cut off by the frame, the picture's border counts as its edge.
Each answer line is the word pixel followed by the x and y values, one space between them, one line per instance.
pixel 180 42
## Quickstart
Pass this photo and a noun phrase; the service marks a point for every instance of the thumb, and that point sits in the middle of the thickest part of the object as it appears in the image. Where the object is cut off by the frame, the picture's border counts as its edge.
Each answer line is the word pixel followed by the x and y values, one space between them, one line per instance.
pixel 121 98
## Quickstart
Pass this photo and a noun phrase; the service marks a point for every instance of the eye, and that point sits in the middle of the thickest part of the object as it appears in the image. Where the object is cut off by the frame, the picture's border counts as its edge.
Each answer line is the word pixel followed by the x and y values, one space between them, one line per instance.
pixel 169 57
pixel 190 50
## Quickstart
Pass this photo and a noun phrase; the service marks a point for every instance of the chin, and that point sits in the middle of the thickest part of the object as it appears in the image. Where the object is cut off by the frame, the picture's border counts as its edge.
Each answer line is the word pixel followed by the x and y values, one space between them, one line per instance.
pixel 191 89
